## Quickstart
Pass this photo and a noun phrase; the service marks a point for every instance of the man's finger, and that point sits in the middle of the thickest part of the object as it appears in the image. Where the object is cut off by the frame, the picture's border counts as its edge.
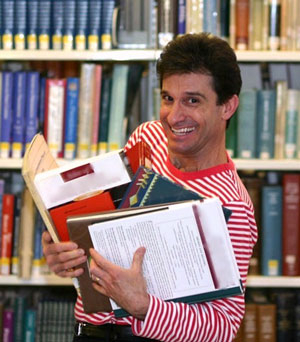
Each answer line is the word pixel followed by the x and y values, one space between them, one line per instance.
pixel 138 258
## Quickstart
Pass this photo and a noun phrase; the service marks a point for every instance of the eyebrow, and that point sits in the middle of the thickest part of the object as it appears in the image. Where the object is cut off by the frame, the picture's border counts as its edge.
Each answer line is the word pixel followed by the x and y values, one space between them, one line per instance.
pixel 189 93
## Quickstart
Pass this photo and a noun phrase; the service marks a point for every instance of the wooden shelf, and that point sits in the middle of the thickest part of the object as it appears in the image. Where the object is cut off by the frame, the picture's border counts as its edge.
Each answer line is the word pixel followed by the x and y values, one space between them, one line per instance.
pixel 45 280
pixel 268 281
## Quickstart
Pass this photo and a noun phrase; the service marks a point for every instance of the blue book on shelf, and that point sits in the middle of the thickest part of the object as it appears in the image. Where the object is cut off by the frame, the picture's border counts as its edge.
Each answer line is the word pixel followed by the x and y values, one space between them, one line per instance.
pixel 69 24
pixel 30 326
pixel 210 19
pixel 41 104
pixel 20 24
pixel 246 126
pixel 81 24
pixel 44 24
pixel 271 234
pixel 266 108
pixel 106 23
pixel 31 116
pixel 19 105
pixel 8 22
pixel 71 121
pixel 32 24
pixel 181 22
pixel 6 113
pixel 57 24
pixel 94 24
pixel 20 306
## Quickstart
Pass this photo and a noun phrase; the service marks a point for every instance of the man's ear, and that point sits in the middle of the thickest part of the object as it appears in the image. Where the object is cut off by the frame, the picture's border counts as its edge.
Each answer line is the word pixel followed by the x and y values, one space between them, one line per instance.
pixel 230 107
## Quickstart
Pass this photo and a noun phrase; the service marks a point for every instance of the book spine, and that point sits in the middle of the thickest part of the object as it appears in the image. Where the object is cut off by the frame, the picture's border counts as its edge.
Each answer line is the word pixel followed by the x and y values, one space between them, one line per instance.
pixel 8 8
pixel 19 102
pixel 271 251
pixel 38 259
pixel 54 115
pixel 31 113
pixel 94 24
pixel 8 325
pixel 285 303
pixel 291 123
pixel 72 95
pixel 32 24
pixel 6 113
pixel 41 104
pixel 106 24
pixel 20 304
pixel 194 16
pixel 57 24
pixel 246 132
pixel 30 325
pixel 255 25
pixel 274 24
pixel 210 17
pixel 232 22
pixel 165 22
pixel 266 101
pixel 85 113
pixel 20 24
pixel 7 232
pixel 81 25
pixel 224 19
pixel 16 224
pixel 266 322
pixel 69 24
pixel 290 224
pixel 265 25
pixel 96 109
pixel 44 21
pixel 250 323
pixel 181 22
pixel 231 136
pixel 242 24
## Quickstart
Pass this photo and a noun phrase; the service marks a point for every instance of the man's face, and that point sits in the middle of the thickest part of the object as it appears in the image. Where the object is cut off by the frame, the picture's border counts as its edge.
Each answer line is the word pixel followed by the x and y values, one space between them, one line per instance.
pixel 190 116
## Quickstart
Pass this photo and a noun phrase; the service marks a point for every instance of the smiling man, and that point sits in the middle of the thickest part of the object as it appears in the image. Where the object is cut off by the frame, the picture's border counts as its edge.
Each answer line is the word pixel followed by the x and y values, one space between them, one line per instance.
pixel 200 83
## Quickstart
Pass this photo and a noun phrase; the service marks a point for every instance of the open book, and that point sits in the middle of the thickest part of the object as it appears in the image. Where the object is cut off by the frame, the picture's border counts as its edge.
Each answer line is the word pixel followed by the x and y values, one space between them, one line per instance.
pixel 189 256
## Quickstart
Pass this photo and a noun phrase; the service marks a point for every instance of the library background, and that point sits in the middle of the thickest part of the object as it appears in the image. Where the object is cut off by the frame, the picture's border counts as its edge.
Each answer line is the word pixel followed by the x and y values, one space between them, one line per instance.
pixel 83 73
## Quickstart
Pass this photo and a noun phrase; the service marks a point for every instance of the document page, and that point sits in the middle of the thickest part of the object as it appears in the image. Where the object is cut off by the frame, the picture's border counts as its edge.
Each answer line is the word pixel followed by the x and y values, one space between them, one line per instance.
pixel 175 263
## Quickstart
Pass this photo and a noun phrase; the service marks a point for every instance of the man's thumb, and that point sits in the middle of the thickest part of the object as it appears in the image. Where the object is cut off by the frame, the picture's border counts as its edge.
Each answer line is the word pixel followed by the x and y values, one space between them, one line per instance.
pixel 138 258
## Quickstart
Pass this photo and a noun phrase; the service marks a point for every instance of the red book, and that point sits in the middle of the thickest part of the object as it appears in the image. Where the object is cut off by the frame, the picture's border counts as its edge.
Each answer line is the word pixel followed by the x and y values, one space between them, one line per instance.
pixel 93 204
pixel 139 155
pixel 291 224
pixel 7 224
pixel 241 24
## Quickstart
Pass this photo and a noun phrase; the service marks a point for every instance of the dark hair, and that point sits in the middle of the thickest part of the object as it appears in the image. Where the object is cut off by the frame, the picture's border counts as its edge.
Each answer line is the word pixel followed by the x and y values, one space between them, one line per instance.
pixel 205 54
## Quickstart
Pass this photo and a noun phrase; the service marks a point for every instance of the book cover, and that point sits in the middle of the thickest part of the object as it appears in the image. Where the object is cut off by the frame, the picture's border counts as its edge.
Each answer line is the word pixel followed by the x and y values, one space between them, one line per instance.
pixel 290 224
pixel 81 24
pixel 8 24
pixel 96 109
pixel 200 222
pixel 271 232
pixel 106 23
pixel 31 112
pixel 266 104
pixel 32 24
pixel 55 115
pixel 116 134
pixel 99 202
pixel 20 24
pixel 44 24
pixel 95 7
pixel 246 130
pixel 71 120
pixel 19 106
pixel 7 222
pixel 291 123
pixel 57 24
pixel 69 24
pixel 6 113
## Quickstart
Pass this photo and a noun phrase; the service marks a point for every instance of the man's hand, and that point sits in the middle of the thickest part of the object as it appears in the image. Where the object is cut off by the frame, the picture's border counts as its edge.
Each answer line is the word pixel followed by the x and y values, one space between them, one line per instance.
pixel 62 257
pixel 127 287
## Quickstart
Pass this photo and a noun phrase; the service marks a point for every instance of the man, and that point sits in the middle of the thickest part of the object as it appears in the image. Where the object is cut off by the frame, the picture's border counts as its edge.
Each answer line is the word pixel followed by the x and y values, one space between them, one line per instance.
pixel 200 83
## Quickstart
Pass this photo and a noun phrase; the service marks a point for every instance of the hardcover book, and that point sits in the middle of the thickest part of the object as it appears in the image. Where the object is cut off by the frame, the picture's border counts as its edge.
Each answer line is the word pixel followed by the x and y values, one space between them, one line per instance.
pixel 157 228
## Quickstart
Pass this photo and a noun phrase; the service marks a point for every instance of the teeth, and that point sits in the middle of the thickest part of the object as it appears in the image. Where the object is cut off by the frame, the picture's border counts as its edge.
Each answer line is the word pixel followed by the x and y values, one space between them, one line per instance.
pixel 183 130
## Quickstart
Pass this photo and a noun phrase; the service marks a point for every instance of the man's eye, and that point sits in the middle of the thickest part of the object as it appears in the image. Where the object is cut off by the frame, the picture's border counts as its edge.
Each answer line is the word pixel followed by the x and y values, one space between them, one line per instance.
pixel 193 100
pixel 167 98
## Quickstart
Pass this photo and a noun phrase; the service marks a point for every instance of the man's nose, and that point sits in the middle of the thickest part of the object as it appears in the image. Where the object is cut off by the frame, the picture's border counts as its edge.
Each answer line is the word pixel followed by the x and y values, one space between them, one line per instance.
pixel 176 113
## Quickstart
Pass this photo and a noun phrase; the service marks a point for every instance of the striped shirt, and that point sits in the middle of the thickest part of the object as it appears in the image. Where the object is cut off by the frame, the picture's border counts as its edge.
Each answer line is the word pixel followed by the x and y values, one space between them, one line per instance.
pixel 217 320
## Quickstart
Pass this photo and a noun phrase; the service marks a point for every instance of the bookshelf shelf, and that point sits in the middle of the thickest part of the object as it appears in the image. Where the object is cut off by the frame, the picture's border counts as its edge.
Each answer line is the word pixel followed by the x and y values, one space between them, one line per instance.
pixel 45 280
pixel 268 281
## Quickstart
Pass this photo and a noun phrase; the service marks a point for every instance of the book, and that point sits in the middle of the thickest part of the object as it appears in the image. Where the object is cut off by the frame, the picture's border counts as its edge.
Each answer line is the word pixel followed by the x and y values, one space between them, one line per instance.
pixel 107 11
pixel 212 284
pixel 7 228
pixel 266 103
pixel 250 323
pixel 8 324
pixel 266 322
pixel 274 24
pixel 290 224
pixel 71 117
pixel 8 24
pixel 255 24
pixel 231 136
pixel 166 22
pixel 30 325
pixel 44 24
pixel 224 21
pixel 81 24
pixel 69 24
pixel 16 224
pixel 246 127
pixel 271 233
pixel 20 306
pixel 57 24
pixel 38 257
pixel 291 123
pixel 55 115
pixel 96 109
pixel 31 112
pixel 19 106
pixel 20 24
pixel 242 24
pixel 181 19
pixel 32 24
pixel 211 17
pixel 6 113
pixel 95 7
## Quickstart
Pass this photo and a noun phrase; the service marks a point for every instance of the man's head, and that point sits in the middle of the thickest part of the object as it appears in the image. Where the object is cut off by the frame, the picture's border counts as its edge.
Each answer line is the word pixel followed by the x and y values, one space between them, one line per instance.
pixel 204 54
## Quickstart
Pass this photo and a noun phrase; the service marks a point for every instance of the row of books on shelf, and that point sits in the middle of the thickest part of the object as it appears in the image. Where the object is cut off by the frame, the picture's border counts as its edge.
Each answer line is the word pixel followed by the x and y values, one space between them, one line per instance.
pixel 276 199
pixel 246 24
pixel 80 116
pixel 271 315
pixel 37 315
pixel 58 24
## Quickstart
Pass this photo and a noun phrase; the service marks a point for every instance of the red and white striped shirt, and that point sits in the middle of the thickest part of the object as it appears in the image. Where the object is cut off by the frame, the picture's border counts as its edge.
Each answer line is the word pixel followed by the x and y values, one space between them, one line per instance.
pixel 217 320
